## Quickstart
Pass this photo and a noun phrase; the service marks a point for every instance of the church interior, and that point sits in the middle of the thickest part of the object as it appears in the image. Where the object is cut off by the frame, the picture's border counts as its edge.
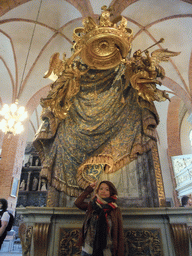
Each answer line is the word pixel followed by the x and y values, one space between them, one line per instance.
pixel 151 185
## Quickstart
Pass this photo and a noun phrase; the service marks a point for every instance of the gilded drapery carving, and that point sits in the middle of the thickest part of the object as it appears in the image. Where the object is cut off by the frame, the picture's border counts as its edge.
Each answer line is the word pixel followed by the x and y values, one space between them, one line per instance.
pixel 106 125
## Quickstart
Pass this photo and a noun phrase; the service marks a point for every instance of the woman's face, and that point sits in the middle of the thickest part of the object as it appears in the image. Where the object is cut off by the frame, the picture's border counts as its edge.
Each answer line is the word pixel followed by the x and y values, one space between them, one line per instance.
pixel 103 190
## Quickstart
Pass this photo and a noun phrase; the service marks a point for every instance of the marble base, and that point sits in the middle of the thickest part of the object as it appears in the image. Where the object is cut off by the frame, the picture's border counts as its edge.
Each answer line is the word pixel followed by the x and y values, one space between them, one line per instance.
pixel 162 231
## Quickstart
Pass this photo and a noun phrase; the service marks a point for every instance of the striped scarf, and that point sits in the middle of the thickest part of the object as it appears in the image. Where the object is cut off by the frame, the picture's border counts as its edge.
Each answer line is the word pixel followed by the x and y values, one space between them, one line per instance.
pixel 102 207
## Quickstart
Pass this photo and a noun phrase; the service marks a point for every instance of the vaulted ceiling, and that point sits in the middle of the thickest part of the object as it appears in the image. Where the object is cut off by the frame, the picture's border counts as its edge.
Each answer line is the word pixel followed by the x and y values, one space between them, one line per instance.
pixel 31 31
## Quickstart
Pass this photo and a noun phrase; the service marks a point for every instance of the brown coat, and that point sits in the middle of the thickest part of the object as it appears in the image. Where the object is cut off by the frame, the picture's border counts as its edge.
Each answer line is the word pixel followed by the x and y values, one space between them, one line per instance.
pixel 116 218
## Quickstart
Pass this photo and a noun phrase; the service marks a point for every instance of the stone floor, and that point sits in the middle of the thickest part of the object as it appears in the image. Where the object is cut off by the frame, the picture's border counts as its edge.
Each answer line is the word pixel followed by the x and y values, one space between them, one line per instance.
pixel 10 253
pixel 11 246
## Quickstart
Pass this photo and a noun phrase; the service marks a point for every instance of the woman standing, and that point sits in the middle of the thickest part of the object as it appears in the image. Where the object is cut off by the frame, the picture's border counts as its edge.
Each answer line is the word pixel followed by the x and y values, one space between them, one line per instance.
pixel 4 220
pixel 102 232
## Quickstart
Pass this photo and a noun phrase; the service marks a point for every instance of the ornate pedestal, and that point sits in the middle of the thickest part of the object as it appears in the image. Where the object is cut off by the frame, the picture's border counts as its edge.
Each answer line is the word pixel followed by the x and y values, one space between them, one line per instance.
pixel 148 231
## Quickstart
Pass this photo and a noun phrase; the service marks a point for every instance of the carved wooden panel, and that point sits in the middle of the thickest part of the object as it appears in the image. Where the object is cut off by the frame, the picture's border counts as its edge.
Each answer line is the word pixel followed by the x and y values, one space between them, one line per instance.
pixel 25 234
pixel 138 242
pixel 68 241
pixel 144 242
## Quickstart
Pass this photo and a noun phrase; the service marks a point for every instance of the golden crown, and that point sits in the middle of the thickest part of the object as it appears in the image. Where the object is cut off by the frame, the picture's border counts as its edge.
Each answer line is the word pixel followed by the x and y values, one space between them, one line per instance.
pixel 103 46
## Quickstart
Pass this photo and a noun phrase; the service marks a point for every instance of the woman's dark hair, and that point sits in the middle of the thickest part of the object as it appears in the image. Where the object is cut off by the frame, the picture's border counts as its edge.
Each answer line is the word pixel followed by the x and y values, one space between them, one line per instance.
pixel 4 204
pixel 112 188
pixel 184 200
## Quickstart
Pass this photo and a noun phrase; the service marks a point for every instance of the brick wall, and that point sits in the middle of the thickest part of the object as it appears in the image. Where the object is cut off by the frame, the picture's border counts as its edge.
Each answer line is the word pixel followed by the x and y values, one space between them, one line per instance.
pixel 10 166
pixel 12 154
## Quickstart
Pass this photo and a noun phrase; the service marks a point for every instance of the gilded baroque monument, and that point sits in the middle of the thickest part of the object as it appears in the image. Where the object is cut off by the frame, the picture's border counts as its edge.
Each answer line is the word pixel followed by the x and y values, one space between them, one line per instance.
pixel 99 122
pixel 99 117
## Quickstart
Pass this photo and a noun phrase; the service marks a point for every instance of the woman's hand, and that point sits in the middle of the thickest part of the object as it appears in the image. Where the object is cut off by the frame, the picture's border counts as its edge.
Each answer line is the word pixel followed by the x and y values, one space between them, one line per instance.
pixel 93 185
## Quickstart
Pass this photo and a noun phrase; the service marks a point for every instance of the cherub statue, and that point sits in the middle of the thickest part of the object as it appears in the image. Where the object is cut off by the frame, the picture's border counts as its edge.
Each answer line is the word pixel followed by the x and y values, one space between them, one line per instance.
pixel 22 186
pixel 60 97
pixel 43 185
pixel 56 65
pixel 144 71
pixel 35 183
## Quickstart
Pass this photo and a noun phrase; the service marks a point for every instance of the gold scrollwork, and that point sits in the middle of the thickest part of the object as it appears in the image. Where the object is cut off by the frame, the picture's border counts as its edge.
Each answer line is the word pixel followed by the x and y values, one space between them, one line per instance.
pixel 25 234
pixel 68 240
pixel 158 176
pixel 143 242
pixel 137 242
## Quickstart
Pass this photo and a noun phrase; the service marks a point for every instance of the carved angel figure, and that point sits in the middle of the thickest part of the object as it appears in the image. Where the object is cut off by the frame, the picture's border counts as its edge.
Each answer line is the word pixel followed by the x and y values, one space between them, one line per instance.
pixel 60 97
pixel 144 71
pixel 56 65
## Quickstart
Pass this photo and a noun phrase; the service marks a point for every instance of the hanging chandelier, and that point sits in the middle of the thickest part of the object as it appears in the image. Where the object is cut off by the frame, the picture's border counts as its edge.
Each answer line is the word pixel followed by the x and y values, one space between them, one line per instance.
pixel 14 115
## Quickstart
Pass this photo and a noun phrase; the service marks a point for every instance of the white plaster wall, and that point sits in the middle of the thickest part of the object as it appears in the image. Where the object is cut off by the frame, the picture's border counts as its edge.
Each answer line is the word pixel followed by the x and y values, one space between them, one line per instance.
pixel 184 135
pixel 162 108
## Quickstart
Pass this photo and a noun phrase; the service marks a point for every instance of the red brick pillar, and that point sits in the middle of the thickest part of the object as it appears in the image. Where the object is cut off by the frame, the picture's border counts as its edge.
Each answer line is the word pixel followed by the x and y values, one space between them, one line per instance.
pixel 10 167
pixel 13 152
